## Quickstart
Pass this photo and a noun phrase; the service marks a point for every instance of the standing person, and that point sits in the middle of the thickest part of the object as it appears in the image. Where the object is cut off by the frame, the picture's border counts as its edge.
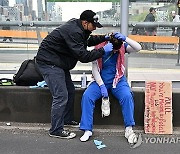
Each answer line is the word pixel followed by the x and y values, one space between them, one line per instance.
pixel 108 73
pixel 151 31
pixel 57 55
pixel 7 28
pixel 175 30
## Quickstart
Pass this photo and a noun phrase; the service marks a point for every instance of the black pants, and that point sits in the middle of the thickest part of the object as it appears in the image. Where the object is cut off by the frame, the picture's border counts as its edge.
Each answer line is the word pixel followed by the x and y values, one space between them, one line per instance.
pixel 5 38
pixel 150 46
pixel 63 92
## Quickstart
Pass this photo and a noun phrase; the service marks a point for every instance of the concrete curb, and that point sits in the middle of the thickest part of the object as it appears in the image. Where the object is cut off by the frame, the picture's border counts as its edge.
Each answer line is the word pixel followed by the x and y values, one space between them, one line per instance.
pixel 9 45
pixel 169 52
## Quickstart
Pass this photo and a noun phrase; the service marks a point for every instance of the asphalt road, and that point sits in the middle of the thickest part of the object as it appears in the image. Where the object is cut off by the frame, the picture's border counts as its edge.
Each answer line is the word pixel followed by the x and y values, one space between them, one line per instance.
pixel 135 60
pixel 16 141
pixel 153 60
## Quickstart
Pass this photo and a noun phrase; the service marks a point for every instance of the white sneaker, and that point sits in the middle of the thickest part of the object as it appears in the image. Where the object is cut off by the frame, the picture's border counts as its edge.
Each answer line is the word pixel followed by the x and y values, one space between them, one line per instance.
pixel 131 136
pixel 86 136
pixel 105 106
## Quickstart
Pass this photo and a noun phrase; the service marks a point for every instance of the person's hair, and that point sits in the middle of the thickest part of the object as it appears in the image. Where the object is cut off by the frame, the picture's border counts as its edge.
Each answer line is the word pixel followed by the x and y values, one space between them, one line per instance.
pixel 151 9
pixel 116 43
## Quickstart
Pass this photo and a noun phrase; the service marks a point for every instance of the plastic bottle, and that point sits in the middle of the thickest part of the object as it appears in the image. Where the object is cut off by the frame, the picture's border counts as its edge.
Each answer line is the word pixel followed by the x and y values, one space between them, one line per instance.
pixel 84 80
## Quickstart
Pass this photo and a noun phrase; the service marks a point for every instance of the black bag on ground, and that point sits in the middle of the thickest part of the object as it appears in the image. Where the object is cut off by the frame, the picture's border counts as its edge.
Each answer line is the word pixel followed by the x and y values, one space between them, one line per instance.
pixel 28 74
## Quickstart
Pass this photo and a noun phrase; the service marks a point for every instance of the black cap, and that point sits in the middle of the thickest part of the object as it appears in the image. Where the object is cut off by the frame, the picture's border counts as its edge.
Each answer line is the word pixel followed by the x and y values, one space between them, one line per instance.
pixel 90 16
pixel 151 9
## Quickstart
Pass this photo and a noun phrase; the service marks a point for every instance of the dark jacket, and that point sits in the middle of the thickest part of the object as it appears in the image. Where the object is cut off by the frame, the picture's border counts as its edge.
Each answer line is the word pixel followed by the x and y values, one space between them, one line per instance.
pixel 67 44
pixel 6 27
pixel 150 18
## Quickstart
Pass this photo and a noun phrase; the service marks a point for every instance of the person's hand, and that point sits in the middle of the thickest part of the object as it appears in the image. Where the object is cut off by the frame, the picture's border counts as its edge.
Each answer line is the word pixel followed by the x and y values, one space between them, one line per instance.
pixel 104 91
pixel 119 36
pixel 108 47
pixel 107 37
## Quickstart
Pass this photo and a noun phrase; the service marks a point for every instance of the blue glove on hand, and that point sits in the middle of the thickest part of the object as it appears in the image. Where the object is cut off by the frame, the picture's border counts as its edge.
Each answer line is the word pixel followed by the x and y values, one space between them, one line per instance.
pixel 119 36
pixel 104 91
pixel 107 37
pixel 108 47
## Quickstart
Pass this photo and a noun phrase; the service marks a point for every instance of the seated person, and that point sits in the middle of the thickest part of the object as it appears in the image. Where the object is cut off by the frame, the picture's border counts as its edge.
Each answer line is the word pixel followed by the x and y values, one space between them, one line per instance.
pixel 108 73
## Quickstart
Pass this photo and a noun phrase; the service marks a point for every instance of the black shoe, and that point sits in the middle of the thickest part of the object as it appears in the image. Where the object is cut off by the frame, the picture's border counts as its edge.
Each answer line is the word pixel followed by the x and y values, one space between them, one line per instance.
pixel 64 135
pixel 72 124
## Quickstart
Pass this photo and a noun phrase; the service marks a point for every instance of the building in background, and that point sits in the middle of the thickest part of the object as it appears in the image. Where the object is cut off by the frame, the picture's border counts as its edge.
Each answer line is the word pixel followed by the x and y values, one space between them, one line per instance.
pixel 25 5
pixel 50 10
pixel 22 10
pixel 58 14
pixel 4 9
pixel 4 2
pixel 40 10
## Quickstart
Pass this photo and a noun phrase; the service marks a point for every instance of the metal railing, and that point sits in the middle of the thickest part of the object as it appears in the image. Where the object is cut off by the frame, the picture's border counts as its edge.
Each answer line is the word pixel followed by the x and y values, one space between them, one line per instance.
pixel 109 24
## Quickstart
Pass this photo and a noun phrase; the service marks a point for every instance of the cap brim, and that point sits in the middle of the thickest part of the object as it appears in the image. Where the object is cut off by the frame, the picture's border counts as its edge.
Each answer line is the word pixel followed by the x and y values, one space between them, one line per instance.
pixel 97 24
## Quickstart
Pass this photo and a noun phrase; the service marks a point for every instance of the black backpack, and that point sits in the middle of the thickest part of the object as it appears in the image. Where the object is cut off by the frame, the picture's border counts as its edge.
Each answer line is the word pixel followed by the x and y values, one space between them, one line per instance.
pixel 28 74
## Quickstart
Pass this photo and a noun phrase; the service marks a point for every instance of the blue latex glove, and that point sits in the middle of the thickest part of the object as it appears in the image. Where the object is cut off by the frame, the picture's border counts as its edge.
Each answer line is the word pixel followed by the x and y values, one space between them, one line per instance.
pixel 119 36
pixel 42 84
pixel 104 91
pixel 107 37
pixel 108 47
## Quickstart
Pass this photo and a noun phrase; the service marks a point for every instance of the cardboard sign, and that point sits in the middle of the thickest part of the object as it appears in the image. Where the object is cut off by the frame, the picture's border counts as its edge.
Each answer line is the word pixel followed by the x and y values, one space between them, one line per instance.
pixel 158 107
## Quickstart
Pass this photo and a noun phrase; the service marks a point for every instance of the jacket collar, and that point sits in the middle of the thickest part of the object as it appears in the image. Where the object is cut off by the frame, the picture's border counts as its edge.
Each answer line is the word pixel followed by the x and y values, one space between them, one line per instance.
pixel 80 24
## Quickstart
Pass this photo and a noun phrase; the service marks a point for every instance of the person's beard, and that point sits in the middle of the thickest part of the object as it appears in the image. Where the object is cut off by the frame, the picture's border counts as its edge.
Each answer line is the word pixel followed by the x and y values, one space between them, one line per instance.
pixel 87 33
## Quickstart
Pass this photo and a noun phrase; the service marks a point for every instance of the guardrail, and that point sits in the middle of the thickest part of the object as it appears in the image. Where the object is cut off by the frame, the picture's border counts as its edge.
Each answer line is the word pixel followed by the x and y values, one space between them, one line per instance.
pixel 33 31
pixel 34 35
pixel 113 24
pixel 141 84
pixel 155 39
pixel 22 34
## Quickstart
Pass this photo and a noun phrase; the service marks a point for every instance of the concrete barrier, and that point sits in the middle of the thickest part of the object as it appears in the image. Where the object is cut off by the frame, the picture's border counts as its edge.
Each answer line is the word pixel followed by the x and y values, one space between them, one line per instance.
pixel 24 104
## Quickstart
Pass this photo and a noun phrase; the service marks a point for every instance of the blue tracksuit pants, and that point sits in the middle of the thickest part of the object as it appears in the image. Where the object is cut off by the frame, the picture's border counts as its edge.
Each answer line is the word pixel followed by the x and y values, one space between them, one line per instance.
pixel 122 92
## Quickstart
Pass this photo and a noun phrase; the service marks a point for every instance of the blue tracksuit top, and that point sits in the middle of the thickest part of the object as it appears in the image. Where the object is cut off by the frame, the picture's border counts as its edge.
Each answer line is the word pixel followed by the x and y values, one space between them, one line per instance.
pixel 108 71
pixel 108 67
